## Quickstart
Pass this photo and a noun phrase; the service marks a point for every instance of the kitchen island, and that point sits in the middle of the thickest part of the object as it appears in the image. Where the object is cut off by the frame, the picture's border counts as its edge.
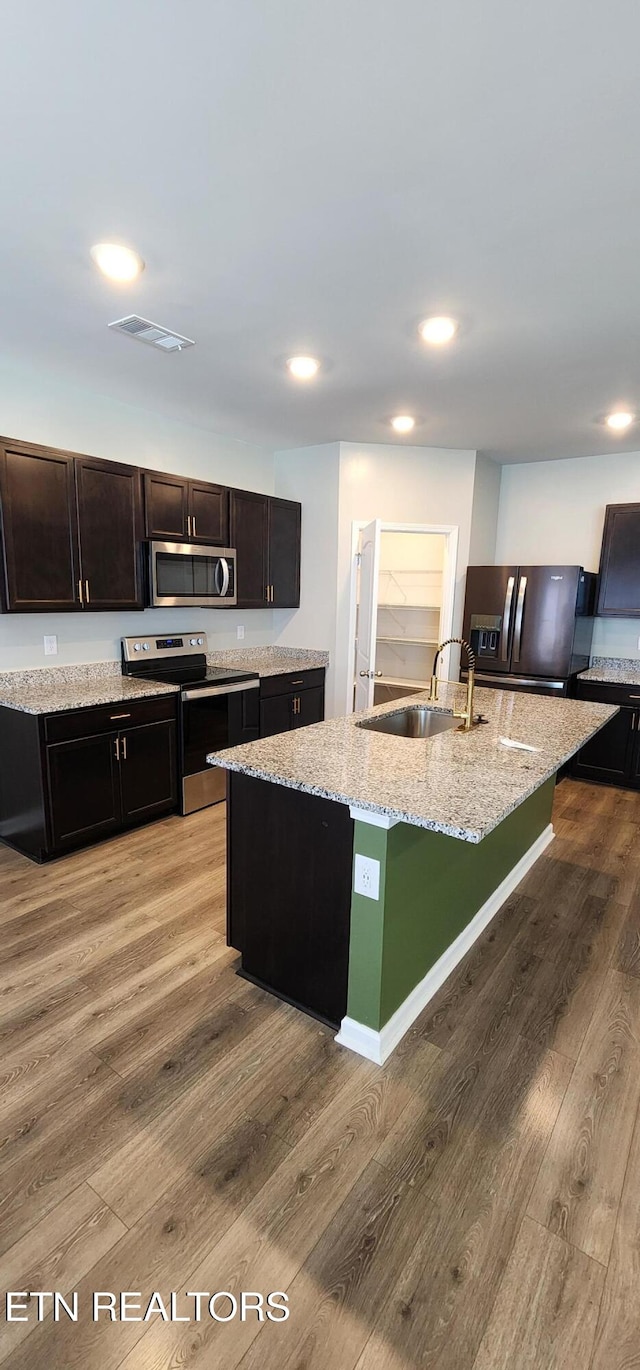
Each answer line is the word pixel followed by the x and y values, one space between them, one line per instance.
pixel 363 865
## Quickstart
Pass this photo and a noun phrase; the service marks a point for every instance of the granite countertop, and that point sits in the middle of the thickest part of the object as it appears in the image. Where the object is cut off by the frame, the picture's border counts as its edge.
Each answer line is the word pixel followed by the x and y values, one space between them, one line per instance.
pixel 268 661
pixel 461 784
pixel 611 670
pixel 55 689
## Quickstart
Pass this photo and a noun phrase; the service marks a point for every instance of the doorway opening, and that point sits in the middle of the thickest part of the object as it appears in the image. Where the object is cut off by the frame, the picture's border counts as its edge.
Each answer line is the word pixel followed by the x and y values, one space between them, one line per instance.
pixel 402 595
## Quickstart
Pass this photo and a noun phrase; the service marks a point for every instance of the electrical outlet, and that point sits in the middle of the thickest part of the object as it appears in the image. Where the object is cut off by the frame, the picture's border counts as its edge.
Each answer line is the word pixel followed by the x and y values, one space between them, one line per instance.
pixel 366 876
pixel 51 645
pixel 240 632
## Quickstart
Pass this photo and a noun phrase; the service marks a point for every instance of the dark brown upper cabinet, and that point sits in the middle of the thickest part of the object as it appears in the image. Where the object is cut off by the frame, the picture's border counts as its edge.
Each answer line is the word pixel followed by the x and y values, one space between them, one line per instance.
pixel 39 529
pixel 249 532
pixel 266 535
pixel 619 584
pixel 283 578
pixel 185 510
pixel 71 531
pixel 110 534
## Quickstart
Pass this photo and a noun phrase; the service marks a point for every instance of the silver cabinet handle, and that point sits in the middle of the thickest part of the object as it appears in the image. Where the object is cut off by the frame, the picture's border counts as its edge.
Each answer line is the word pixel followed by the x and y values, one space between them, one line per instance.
pixel 124 747
pixel 114 717
pixel 193 526
pixel 517 633
pixel 86 590
pixel 189 525
pixel 506 620
pixel 80 592
pixel 117 747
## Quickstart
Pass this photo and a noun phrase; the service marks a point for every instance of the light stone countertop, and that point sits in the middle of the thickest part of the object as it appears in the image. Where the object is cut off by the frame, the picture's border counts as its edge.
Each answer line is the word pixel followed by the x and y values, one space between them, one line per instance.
pixel 52 690
pixel 613 671
pixel 267 661
pixel 461 784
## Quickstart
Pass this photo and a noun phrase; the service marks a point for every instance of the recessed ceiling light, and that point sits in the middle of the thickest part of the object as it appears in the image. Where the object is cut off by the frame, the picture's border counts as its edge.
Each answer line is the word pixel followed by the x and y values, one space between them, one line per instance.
pixel 620 420
pixel 303 368
pixel 117 262
pixel 438 330
pixel 403 423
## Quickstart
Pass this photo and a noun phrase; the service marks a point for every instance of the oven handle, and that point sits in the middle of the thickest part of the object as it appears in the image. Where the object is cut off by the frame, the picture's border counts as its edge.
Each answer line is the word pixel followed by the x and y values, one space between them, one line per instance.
pixel 220 690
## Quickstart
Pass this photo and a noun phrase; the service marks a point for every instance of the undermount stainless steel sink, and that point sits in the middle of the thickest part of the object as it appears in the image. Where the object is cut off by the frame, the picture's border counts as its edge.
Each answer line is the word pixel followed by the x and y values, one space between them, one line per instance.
pixel 417 722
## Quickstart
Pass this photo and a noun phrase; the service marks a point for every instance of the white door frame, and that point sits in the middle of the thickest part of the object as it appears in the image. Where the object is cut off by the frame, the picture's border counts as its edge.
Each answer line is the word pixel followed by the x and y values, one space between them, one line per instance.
pixel 450 532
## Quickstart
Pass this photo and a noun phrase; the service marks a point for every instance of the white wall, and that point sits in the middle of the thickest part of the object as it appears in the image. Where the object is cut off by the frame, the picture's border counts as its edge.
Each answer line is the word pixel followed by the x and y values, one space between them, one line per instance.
pixel 41 407
pixel 311 475
pixel 484 513
pixel 553 512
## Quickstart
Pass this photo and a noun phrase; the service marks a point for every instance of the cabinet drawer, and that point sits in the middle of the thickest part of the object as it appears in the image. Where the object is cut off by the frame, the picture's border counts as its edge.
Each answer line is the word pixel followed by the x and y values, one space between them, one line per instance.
pixel 602 693
pixel 293 680
pixel 109 718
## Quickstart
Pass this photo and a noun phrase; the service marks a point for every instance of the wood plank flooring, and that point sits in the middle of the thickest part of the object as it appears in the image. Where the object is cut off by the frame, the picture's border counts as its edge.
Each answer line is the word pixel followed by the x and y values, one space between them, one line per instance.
pixel 166 1126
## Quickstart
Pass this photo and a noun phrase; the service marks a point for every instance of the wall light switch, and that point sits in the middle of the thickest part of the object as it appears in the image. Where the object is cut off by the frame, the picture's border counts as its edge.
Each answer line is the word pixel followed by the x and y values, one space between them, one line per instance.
pixel 51 645
pixel 240 632
pixel 366 876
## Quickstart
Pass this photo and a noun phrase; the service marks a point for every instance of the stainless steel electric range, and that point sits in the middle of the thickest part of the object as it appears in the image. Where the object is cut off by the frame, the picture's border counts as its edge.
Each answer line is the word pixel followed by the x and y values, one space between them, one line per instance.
pixel 219 707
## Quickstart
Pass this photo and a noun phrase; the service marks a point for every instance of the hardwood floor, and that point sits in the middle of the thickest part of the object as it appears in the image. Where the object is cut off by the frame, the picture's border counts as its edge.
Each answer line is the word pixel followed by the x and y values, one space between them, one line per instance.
pixel 166 1126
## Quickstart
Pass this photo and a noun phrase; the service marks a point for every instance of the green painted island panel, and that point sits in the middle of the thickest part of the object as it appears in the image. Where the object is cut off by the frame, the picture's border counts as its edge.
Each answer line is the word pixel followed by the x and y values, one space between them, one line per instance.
pixel 431 886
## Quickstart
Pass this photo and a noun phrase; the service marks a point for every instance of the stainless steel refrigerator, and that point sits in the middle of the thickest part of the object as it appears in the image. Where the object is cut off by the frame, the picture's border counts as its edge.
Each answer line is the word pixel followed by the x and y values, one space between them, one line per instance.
pixel 529 626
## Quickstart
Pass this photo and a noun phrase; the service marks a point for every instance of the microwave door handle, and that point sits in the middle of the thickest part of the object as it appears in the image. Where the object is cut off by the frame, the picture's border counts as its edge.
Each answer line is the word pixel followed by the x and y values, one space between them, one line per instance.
pixel 225 576
pixel 517 632
pixel 506 619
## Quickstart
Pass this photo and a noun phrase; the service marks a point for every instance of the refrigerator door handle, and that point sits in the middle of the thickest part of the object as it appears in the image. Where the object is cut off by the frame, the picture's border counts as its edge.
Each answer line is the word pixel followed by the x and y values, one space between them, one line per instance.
pixel 517 632
pixel 506 620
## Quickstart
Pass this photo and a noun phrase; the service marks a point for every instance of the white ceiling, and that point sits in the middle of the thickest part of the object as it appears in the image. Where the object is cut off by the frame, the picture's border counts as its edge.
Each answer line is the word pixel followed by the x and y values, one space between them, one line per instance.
pixel 318 175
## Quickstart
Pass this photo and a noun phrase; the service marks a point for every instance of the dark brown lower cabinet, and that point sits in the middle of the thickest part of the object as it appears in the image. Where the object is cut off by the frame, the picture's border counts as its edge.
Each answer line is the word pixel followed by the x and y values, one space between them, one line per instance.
pixel 68 779
pixel 289 858
pixel 291 701
pixel 612 756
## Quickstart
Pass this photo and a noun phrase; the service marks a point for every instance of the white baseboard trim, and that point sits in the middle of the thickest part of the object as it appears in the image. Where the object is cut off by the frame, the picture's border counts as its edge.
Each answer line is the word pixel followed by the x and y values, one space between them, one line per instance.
pixel 378 1046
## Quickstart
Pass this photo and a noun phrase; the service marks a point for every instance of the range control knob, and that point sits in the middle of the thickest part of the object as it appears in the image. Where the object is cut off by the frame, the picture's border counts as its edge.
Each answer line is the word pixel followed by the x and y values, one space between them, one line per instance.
pixel 193 642
pixel 201 642
pixel 137 647
pixel 145 646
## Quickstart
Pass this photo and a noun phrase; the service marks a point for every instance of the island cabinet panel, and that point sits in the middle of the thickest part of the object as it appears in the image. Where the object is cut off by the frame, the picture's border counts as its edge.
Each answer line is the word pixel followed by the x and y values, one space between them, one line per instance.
pixel 39 529
pixel 110 528
pixel 612 756
pixel 289 893
pixel 619 585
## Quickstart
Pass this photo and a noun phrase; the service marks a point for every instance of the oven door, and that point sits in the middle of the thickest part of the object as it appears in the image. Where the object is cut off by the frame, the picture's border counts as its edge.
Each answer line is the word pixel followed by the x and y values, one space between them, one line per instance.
pixel 214 718
pixel 181 573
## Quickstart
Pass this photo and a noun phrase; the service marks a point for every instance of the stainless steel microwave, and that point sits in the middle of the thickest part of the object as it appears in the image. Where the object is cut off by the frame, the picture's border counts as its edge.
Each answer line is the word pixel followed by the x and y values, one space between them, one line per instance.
pixel 181 573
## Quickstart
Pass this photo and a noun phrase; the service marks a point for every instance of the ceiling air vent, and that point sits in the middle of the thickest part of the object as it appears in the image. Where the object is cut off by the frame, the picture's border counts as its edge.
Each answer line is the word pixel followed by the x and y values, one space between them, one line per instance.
pixel 147 332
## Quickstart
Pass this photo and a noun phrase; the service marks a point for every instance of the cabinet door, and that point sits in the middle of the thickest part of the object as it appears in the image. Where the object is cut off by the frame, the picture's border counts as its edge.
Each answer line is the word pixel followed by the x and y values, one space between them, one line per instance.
pixel 633 773
pixel 276 715
pixel 619 586
pixel 110 527
pixel 166 504
pixel 84 789
pixel 37 496
pixel 310 707
pixel 284 553
pixel 148 774
pixel 209 510
pixel 249 527
pixel 607 756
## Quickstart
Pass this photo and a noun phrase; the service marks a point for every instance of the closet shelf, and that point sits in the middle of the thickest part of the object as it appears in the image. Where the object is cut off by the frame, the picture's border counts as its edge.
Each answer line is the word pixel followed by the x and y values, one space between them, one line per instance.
pixel 387 604
pixel 412 641
pixel 403 680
